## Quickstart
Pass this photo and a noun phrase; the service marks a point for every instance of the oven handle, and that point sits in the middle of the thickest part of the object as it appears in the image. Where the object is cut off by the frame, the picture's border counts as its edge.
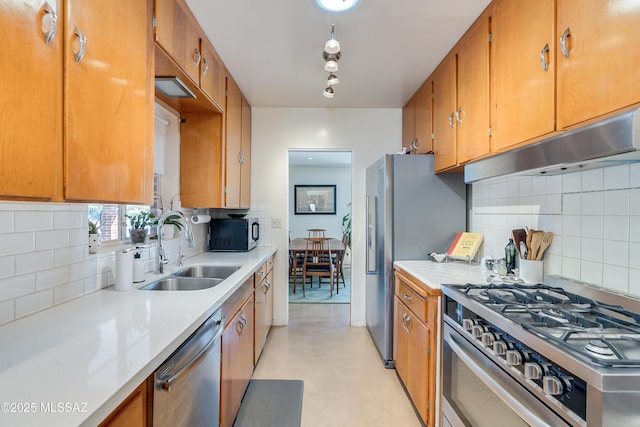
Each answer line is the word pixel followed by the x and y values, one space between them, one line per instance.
pixel 495 384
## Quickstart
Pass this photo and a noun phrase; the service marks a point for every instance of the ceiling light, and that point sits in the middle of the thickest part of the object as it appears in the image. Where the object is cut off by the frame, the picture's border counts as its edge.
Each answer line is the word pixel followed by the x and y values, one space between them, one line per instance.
pixel 173 87
pixel 337 5
pixel 331 64
pixel 332 80
pixel 332 45
pixel 328 92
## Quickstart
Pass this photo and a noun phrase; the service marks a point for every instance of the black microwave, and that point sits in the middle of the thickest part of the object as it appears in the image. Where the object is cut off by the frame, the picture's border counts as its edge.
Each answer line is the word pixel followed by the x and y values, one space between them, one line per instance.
pixel 233 235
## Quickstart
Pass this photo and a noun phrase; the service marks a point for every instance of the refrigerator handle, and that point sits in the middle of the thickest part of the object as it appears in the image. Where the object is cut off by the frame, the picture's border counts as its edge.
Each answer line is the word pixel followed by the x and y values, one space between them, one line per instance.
pixel 371 234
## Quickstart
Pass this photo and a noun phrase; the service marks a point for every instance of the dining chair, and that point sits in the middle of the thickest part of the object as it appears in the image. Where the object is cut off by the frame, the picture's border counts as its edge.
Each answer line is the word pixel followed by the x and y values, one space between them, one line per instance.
pixel 339 260
pixel 316 232
pixel 318 263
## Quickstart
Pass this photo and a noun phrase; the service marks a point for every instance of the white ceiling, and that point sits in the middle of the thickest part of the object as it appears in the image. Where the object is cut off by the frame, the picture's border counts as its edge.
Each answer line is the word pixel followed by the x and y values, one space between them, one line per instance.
pixel 274 48
pixel 319 158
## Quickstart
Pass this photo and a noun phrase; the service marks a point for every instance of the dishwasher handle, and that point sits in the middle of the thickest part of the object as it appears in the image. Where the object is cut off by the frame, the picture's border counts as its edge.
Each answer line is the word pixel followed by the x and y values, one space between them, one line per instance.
pixel 165 384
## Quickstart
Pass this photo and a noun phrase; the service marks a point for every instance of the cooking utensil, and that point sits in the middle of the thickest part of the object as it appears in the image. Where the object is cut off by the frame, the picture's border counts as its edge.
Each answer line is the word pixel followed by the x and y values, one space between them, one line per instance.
pixel 519 235
pixel 545 241
pixel 536 239
pixel 523 250
pixel 528 241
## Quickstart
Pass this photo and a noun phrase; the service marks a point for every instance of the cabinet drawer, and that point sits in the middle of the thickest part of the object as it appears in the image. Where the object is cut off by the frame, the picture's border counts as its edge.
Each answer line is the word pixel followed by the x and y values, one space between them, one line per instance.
pixel 414 301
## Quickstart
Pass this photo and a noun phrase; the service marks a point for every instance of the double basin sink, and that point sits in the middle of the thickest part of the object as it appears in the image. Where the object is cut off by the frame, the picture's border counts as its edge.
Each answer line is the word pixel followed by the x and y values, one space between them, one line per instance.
pixel 193 278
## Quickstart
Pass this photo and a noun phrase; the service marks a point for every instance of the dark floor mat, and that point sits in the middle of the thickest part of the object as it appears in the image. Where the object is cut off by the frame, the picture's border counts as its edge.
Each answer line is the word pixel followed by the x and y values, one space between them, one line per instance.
pixel 271 403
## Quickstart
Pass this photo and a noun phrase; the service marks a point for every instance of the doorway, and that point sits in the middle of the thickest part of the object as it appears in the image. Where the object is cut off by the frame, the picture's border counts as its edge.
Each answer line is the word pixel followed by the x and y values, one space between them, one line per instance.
pixel 328 177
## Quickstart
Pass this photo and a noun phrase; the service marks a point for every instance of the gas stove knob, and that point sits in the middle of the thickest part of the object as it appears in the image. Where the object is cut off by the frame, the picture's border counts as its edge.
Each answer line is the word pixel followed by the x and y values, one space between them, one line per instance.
pixel 478 330
pixel 500 348
pixel 533 371
pixel 467 324
pixel 514 358
pixel 552 385
pixel 488 338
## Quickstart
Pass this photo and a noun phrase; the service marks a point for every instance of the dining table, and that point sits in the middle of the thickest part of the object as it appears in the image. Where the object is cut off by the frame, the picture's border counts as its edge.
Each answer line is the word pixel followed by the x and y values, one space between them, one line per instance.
pixel 298 246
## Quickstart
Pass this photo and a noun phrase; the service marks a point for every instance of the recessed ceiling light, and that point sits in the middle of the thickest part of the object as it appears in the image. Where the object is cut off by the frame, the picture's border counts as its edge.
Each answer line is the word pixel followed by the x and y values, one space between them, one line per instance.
pixel 337 5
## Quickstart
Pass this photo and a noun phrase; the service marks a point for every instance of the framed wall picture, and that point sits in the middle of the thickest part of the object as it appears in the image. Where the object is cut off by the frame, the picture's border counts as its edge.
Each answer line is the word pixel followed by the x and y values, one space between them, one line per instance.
pixel 315 199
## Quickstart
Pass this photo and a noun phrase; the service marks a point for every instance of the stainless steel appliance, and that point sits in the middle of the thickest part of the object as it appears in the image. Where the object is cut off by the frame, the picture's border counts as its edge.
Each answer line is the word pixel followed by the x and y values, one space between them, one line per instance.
pixel 410 213
pixel 562 354
pixel 187 384
pixel 233 234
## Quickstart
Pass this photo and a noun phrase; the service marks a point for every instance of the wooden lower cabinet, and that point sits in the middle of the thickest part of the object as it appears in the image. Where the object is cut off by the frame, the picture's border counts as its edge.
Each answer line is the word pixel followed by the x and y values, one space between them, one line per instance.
pixel 237 361
pixel 132 412
pixel 414 343
pixel 264 307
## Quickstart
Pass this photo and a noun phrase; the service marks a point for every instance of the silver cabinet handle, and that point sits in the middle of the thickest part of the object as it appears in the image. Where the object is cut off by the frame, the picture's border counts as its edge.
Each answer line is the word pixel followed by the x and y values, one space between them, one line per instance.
pixel 451 116
pixel 196 56
pixel 563 42
pixel 241 158
pixel 79 45
pixel 413 147
pixel 49 23
pixel 206 66
pixel 408 297
pixel 459 115
pixel 543 57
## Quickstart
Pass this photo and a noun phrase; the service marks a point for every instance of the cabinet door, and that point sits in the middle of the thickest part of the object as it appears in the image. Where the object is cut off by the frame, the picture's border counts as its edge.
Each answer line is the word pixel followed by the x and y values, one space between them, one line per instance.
pixel 444 107
pixel 524 94
pixel 263 314
pixel 245 157
pixel 418 341
pixel 602 71
pixel 423 118
pixel 201 160
pixel 132 412
pixel 400 337
pixel 108 101
pixel 233 144
pixel 472 114
pixel 31 100
pixel 237 362
pixel 212 73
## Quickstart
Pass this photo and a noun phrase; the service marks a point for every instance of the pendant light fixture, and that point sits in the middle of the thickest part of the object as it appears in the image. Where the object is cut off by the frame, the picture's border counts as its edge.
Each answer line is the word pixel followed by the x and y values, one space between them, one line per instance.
pixel 332 45
pixel 328 92
pixel 331 55
pixel 332 80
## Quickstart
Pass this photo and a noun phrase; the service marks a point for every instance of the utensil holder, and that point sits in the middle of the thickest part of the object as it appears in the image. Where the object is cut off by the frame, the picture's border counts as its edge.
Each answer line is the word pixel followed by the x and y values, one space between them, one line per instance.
pixel 531 271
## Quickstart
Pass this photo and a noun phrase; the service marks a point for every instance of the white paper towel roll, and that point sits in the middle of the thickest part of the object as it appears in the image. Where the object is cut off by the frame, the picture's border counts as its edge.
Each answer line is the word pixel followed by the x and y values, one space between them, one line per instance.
pixel 124 270
pixel 200 219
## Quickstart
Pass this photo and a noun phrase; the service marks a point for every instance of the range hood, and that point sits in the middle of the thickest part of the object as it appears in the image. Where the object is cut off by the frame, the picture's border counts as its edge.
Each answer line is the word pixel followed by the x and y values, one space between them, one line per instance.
pixel 610 142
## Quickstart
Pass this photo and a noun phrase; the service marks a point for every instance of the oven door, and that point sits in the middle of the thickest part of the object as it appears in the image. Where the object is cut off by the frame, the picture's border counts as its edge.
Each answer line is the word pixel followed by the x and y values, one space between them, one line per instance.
pixel 478 393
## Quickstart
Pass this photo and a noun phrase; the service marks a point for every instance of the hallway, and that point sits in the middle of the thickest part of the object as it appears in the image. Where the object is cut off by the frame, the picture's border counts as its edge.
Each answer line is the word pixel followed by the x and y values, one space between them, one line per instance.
pixel 345 383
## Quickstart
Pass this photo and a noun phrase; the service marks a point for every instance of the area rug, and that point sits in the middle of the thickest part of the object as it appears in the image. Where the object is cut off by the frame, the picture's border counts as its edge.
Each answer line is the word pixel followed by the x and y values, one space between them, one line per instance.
pixel 271 403
pixel 315 294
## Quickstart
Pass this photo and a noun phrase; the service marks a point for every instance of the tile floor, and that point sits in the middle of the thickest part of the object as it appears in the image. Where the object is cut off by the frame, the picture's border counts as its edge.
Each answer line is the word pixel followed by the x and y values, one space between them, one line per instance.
pixel 345 383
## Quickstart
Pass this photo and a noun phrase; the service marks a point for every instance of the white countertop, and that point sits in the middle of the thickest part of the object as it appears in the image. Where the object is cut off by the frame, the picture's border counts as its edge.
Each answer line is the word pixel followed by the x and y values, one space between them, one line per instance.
pixel 433 274
pixel 74 363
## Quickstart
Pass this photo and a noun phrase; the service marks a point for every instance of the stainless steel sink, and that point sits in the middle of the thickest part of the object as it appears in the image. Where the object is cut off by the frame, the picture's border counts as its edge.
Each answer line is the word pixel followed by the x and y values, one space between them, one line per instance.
pixel 173 283
pixel 208 271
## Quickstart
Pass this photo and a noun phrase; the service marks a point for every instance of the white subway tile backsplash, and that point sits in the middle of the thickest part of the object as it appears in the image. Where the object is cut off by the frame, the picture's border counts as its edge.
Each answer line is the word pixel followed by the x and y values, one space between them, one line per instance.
pixel 17 286
pixel 538 186
pixel 616 202
pixel 572 225
pixel 17 243
pixel 634 175
pixel 71 219
pixel 592 250
pixel 571 182
pixel 572 204
pixel 79 236
pixel 6 222
pixel 7 265
pixel 593 180
pixel 7 311
pixel 591 272
pixel 634 256
pixel 52 239
pixel 616 228
pixel 571 247
pixel 616 177
pixel 634 228
pixel 571 268
pixel 592 203
pixel 33 302
pixel 616 253
pixel 33 221
pixel 554 184
pixel 592 226
pixel 68 292
pixel 69 255
pixel 615 278
pixel 634 281
pixel 52 278
pixel 34 261
pixel 83 270
pixel 634 201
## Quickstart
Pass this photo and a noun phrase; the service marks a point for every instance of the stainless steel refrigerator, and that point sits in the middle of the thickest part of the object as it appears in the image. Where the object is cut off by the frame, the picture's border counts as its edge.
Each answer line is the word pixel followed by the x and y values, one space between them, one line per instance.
pixel 410 213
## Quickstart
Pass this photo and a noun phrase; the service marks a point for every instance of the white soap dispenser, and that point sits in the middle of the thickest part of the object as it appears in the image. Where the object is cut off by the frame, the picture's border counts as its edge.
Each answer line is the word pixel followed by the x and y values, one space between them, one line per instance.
pixel 138 268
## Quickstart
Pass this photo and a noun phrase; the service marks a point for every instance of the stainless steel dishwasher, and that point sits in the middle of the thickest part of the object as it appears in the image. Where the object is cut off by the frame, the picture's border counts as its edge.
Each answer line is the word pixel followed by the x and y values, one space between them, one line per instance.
pixel 187 384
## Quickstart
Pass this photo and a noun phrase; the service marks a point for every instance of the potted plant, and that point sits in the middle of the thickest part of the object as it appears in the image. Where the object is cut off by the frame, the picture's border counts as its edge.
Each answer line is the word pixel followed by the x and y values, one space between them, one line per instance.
pixel 346 226
pixel 94 237
pixel 139 223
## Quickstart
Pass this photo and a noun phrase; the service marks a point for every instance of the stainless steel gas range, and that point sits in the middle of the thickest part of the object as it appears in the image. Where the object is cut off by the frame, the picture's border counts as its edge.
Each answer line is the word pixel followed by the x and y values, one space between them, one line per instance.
pixel 540 355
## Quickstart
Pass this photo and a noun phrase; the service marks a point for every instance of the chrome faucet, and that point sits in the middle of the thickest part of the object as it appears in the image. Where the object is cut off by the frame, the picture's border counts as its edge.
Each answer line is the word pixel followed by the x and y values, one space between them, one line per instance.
pixel 162 257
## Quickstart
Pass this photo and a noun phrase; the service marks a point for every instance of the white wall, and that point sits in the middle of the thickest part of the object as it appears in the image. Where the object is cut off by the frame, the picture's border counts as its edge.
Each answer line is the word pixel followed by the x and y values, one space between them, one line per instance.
pixel 338 175
pixel 368 133
pixel 594 215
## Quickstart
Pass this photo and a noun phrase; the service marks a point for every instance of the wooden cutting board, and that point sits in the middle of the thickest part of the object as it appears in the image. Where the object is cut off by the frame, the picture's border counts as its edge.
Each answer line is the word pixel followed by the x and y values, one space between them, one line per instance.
pixel 519 235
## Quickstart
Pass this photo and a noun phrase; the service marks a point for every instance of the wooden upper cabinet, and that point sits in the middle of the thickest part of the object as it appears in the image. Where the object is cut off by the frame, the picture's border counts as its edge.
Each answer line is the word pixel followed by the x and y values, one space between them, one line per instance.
pixel 524 64
pixel 472 112
pixel 30 100
pixel 108 101
pixel 417 120
pixel 245 158
pixel 212 75
pixel 233 144
pixel 444 108
pixel 600 71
